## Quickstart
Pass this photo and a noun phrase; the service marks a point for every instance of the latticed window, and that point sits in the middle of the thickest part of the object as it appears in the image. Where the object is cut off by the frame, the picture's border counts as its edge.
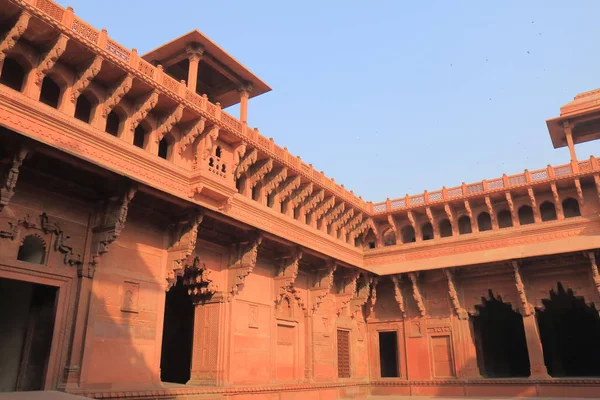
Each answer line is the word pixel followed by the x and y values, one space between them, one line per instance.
pixel 343 351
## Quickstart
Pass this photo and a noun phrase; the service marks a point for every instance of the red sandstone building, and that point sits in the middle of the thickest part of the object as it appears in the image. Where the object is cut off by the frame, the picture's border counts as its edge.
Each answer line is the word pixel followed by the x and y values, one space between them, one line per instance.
pixel 154 246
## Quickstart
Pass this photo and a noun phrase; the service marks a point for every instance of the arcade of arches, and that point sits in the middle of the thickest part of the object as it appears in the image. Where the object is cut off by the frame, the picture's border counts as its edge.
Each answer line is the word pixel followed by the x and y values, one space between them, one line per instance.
pixel 154 246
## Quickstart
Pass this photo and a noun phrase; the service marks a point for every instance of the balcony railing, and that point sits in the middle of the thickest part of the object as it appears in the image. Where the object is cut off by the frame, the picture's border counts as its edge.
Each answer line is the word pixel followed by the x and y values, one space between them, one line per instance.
pixel 73 26
pixel 487 186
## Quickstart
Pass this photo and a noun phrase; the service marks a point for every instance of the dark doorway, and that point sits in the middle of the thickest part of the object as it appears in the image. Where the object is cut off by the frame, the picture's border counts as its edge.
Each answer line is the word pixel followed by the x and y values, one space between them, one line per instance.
pixel 427 231
pixel 504 219
pixel 178 336
pixel 484 222
pixel 408 234
pixel 139 137
pixel 500 340
pixel 388 354
pixel 464 225
pixel 13 75
pixel 526 215
pixel 548 211
pixel 445 228
pixel 569 330
pixel 25 334
pixel 164 148
pixel 113 123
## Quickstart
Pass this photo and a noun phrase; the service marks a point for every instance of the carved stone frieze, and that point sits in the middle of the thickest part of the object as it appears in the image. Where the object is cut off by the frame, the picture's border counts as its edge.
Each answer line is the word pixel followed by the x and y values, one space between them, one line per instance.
pixel 168 122
pixel 50 58
pixel 61 243
pixel 244 260
pixel 10 177
pixel 10 38
pixel 398 294
pixel 116 94
pixel 184 234
pixel 110 222
pixel 414 279
pixel 85 77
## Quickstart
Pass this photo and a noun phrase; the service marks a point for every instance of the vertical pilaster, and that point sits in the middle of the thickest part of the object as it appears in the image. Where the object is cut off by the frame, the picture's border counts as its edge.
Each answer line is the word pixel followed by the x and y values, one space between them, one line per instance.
pixel 195 53
pixel 569 136
pixel 244 92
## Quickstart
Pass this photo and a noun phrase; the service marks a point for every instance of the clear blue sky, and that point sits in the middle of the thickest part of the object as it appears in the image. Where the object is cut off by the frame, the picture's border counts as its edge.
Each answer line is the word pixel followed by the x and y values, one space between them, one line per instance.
pixel 393 97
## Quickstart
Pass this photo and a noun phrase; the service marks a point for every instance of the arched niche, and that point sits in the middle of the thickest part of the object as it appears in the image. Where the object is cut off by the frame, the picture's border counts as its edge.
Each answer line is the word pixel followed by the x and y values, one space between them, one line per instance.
pixel 571 207
pixel 464 225
pixel 32 250
pixel 484 222
pixel 407 233
pixel 389 238
pixel 13 73
pixel 548 211
pixel 427 231
pixel 525 214
pixel 445 228
pixel 504 219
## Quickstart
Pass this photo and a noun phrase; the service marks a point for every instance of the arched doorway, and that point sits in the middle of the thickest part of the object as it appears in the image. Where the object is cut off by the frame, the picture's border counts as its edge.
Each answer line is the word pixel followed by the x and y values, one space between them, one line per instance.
pixel 570 333
pixel 500 339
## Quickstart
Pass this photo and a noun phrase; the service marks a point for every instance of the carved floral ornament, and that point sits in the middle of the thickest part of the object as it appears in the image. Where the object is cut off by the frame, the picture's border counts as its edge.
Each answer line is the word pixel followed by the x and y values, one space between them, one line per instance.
pixel 286 277
pixel 243 261
pixel 183 236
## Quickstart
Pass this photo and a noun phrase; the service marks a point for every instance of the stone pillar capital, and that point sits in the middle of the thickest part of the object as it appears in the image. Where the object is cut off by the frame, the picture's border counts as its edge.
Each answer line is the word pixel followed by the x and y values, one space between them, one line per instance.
pixel 194 51
pixel 245 88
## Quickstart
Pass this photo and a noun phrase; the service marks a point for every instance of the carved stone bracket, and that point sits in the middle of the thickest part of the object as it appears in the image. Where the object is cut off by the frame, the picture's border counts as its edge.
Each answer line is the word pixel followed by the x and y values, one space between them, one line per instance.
pixel 245 161
pixel 490 209
pixel 362 293
pixel 579 191
pixel 61 244
pixel 85 78
pixel 9 179
pixel 525 306
pixel 191 132
pixel 414 279
pixel 323 286
pixel 285 279
pixel 259 170
pixel 116 94
pixel 184 234
pixel 557 203
pixel 341 221
pixel 197 280
pixel 8 40
pixel 373 296
pixel 142 107
pixel 274 179
pixel 511 207
pixel 595 274
pixel 299 195
pixel 348 291
pixel 597 182
pixel 398 294
pixel 323 207
pixel 333 213
pixel 393 225
pixel 461 313
pixel 110 223
pixel 50 58
pixel 243 263
pixel 210 141
pixel 536 210
pixel 168 122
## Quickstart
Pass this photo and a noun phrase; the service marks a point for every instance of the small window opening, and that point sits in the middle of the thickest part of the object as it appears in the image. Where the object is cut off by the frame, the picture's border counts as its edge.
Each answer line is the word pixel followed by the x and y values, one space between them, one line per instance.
pixel 371 245
pixel 427 231
pixel 526 215
pixel 223 168
pixel 32 250
pixel 50 93
pixel 13 74
pixel 464 225
pixel 139 136
pixel 408 234
pixel 83 109
pixel 484 222
pixel 113 123
pixel 445 228
pixel 388 354
pixel 504 219
pixel 164 148
pixel 218 151
pixel 571 208
pixel 548 211
pixel 389 239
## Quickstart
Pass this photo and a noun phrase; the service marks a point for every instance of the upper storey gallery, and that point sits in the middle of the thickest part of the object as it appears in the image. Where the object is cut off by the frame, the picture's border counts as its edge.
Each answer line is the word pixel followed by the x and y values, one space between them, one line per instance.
pixel 164 110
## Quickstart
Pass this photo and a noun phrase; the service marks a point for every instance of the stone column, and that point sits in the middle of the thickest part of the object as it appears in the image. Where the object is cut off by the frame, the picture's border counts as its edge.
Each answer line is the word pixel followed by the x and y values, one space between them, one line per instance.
pixel 208 343
pixel 569 137
pixel 244 92
pixel 532 333
pixel 195 53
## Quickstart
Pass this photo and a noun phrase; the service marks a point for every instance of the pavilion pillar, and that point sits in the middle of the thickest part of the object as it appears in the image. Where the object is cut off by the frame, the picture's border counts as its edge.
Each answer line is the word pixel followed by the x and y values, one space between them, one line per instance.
pixel 244 92
pixel 195 53
pixel 569 136
pixel 208 346
pixel 532 333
